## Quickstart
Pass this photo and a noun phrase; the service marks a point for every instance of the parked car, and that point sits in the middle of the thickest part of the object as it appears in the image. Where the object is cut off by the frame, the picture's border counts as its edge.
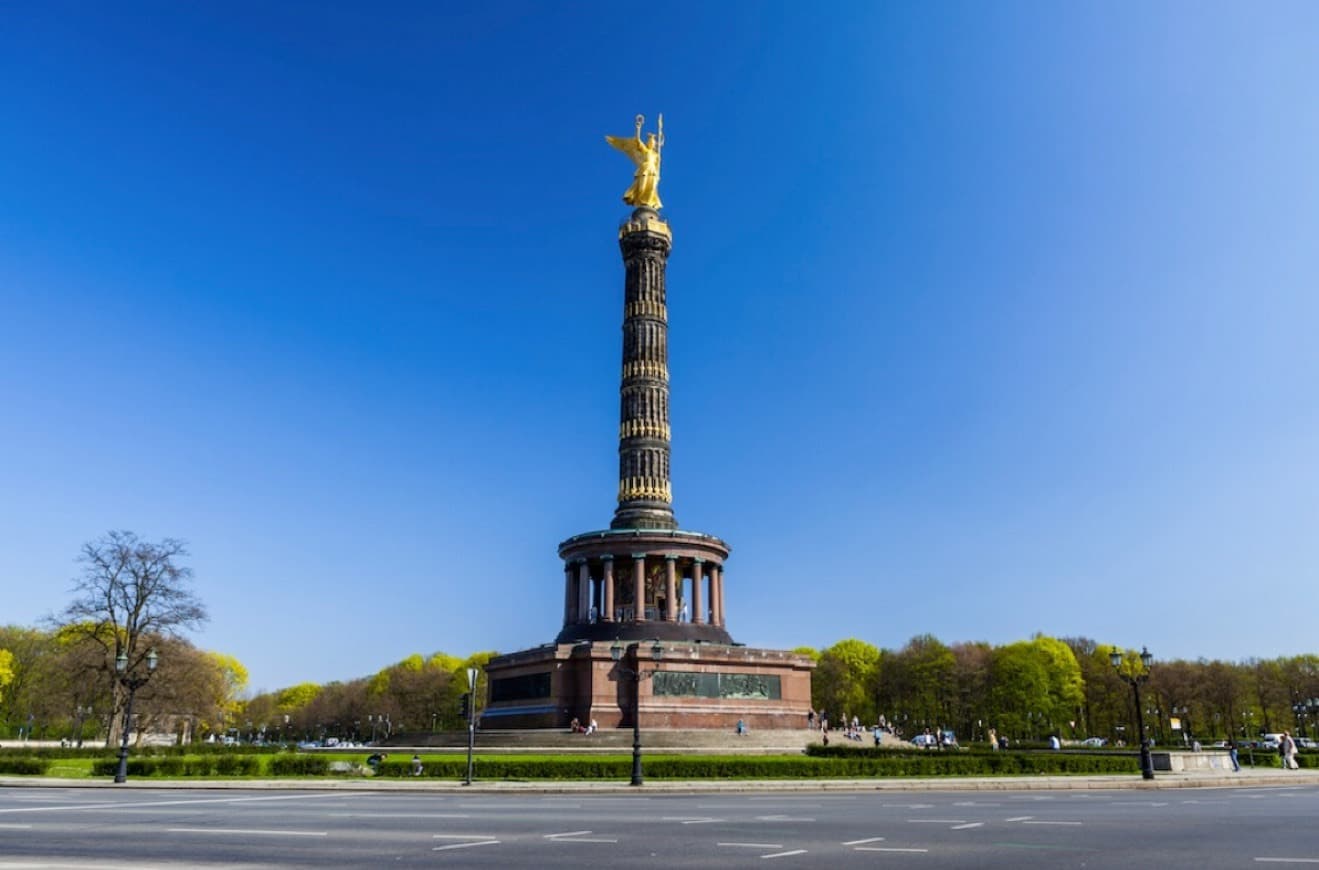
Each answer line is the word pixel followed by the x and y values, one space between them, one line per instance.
pixel 925 741
pixel 1093 742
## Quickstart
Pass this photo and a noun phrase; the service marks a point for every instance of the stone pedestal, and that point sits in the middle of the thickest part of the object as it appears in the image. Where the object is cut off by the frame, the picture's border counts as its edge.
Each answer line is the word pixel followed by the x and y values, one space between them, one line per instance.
pixel 694 685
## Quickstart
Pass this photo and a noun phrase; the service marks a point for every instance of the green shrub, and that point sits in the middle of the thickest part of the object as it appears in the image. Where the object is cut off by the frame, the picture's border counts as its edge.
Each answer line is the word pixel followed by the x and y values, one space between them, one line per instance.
pixel 299 765
pixel 29 765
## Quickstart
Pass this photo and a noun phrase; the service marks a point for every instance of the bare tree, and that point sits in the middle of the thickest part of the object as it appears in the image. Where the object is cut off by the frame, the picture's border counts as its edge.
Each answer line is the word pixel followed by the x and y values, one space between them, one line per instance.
pixel 130 592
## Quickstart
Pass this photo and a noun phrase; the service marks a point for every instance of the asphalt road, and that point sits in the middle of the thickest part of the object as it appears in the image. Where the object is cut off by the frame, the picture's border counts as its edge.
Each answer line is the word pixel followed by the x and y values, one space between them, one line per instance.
pixel 1181 828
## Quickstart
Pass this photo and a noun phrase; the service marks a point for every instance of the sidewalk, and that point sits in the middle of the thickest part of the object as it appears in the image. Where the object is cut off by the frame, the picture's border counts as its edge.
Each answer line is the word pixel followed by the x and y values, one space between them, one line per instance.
pixel 1259 777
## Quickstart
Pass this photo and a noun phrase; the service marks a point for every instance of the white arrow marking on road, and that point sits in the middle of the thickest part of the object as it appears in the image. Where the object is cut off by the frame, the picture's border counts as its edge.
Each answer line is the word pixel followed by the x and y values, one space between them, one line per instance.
pixel 691 820
pixel 785 854
pixel 465 845
pixel 1019 818
pixel 859 842
pixel 16 827
pixel 576 837
pixel 967 825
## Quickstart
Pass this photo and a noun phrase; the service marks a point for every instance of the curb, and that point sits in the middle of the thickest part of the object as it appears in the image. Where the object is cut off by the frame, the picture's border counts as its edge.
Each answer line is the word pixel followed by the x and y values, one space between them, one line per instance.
pixel 1245 779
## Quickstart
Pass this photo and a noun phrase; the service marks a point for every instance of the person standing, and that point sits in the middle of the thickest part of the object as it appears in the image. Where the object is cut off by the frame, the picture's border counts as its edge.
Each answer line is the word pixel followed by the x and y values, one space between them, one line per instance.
pixel 993 739
pixel 1287 748
pixel 1232 756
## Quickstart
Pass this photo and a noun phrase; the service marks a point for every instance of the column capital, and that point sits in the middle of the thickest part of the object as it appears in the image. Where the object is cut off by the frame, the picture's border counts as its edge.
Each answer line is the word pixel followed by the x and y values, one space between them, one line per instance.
pixel 670 557
pixel 698 561
pixel 607 557
pixel 640 555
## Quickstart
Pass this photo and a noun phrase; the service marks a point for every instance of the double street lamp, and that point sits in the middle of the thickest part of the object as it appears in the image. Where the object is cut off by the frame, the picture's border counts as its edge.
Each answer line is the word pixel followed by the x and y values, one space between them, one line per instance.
pixel 132 681
pixel 1310 707
pixel 1115 658
pixel 637 673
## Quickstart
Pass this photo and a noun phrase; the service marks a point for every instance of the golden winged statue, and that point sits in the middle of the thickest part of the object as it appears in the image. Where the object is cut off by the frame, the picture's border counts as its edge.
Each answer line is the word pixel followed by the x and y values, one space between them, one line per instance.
pixel 646 155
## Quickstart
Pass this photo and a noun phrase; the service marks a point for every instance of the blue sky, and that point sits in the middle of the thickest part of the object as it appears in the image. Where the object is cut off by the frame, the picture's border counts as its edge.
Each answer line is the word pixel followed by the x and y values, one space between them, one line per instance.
pixel 986 319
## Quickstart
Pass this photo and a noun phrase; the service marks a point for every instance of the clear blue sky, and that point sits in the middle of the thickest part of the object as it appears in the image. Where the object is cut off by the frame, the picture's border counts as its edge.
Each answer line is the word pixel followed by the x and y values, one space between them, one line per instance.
pixel 986 319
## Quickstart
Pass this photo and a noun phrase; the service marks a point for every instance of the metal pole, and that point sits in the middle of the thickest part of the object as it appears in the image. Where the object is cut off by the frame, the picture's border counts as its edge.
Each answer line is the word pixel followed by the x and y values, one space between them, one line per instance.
pixel 1146 761
pixel 636 727
pixel 471 720
pixel 121 775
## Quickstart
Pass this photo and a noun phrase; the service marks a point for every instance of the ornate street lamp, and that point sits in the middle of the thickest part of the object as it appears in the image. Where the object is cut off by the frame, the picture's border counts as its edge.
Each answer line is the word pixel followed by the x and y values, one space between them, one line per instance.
pixel 1115 658
pixel 1310 707
pixel 132 682
pixel 637 675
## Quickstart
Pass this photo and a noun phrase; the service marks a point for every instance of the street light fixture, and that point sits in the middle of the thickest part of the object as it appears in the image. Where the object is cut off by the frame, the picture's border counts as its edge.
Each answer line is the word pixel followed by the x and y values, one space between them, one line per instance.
pixel 1115 658
pixel 1310 706
pixel 132 682
pixel 637 674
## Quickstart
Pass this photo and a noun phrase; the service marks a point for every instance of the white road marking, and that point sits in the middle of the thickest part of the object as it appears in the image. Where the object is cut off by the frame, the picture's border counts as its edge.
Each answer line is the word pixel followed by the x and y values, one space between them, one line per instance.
pixel 246 831
pixel 465 845
pixel 976 804
pixel 967 825
pixel 691 820
pixel 399 815
pixel 887 849
pixel 783 819
pixel 859 842
pixel 1019 818
pixel 15 827
pixel 908 806
pixel 1288 860
pixel 937 821
pixel 463 837
pixel 576 837
pixel 113 805
pixel 754 845
pixel 785 854
pixel 1043 822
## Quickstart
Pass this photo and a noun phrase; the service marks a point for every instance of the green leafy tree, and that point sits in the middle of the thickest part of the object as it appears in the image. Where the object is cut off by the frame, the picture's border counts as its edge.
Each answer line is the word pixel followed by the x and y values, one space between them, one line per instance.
pixel 845 680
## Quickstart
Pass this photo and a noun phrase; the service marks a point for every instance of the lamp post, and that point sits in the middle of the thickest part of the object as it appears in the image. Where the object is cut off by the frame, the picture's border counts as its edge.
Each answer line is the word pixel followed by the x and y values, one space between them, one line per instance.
pixel 1134 680
pixel 637 674
pixel 83 712
pixel 1309 706
pixel 132 682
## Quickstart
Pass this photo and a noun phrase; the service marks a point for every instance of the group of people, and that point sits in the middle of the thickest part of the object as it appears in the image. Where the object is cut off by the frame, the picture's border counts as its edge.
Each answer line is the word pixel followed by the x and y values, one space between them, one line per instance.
pixel 1287 752
pixel 578 728
pixel 849 727
pixel 374 759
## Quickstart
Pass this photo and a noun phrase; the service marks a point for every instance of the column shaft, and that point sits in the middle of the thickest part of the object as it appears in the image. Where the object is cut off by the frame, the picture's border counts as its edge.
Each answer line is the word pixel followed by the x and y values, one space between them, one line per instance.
pixel 584 592
pixel 671 588
pixel 639 586
pixel 608 615
pixel 698 580
pixel 569 599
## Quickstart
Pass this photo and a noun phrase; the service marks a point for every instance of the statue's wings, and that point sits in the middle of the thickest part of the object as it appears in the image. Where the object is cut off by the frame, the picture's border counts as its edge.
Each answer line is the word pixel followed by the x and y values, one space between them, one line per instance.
pixel 631 147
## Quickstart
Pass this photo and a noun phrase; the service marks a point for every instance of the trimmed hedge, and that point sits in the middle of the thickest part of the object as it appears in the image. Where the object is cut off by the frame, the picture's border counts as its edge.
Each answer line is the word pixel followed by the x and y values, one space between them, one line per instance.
pixel 25 765
pixel 299 765
pixel 854 764
pixel 210 765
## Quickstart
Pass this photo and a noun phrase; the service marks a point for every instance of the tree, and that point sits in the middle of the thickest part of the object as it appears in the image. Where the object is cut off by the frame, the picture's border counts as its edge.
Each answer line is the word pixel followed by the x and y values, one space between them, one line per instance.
pixel 846 679
pixel 6 670
pixel 131 592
